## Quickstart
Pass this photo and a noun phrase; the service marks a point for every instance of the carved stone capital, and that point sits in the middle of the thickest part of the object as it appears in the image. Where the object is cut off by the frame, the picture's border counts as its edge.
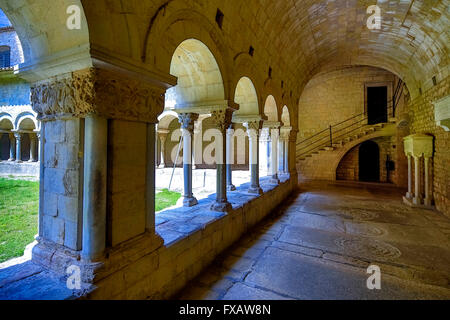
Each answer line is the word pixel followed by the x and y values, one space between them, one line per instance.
pixel 187 121
pixel 108 94
pixel 253 125
pixel 222 118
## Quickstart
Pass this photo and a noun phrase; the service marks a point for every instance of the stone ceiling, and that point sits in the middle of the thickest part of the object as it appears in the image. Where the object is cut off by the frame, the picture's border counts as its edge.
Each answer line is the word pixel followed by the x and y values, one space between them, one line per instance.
pixel 296 38
pixel 310 35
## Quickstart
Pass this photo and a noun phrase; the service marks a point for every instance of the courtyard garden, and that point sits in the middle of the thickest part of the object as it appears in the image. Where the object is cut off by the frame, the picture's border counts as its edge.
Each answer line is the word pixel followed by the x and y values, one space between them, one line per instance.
pixel 19 206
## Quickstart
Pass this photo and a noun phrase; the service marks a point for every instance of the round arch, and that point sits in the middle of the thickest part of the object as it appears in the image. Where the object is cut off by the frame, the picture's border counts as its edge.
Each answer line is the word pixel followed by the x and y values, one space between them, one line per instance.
pixel 176 25
pixel 28 118
pixel 285 117
pixel 247 98
pixel 199 76
pixel 42 37
pixel 6 122
pixel 270 109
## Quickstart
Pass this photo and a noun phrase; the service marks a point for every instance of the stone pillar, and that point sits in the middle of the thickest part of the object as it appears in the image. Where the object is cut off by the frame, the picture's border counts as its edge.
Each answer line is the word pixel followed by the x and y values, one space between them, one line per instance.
pixel 94 190
pixel 33 157
pixel 12 147
pixel 38 138
pixel 162 135
pixel 274 135
pixel 197 145
pixel 230 158
pixel 281 155
pixel 187 129
pixel 417 197
pixel 409 193
pixel 222 119
pixel 286 156
pixel 18 137
pixel 253 135
pixel 428 195
pixel 264 151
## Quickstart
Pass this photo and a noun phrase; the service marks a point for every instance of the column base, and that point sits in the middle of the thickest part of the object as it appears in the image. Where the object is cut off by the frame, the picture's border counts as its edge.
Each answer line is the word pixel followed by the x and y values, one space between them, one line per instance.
pixel 409 195
pixel 417 200
pixel 428 202
pixel 161 166
pixel 221 206
pixel 255 190
pixel 11 159
pixel 231 187
pixel 410 202
pixel 189 201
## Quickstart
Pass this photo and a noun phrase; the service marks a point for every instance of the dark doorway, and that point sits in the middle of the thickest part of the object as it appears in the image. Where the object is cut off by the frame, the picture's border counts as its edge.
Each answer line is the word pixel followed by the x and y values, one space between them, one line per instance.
pixel 377 105
pixel 369 162
pixel 4 146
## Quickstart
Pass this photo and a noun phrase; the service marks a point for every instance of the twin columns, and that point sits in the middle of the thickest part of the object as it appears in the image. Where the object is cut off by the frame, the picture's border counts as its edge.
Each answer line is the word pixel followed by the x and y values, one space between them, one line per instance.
pixel 225 155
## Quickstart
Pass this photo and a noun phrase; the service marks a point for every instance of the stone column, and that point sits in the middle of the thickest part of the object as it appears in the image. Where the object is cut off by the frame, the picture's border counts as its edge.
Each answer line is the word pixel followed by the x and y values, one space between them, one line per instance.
pixel 253 134
pixel 428 195
pixel 281 155
pixel 274 135
pixel 417 198
pixel 409 193
pixel 187 129
pixel 197 143
pixel 18 137
pixel 32 148
pixel 286 156
pixel 162 134
pixel 264 151
pixel 222 119
pixel 12 147
pixel 38 138
pixel 230 158
pixel 94 190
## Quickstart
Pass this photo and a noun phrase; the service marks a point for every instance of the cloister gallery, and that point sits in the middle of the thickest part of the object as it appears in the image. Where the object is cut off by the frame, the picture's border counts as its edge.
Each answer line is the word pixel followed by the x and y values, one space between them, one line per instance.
pixel 341 124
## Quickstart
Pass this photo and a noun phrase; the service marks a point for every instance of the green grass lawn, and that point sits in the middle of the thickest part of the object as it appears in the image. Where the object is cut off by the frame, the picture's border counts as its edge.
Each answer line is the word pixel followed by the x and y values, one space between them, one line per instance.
pixel 19 206
pixel 166 199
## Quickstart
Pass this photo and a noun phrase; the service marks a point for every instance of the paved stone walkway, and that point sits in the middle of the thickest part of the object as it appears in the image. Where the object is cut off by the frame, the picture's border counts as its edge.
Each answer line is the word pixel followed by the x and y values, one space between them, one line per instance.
pixel 320 244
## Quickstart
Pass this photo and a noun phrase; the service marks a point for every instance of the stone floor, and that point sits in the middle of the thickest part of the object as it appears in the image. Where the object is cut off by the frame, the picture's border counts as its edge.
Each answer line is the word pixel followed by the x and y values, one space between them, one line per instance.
pixel 320 244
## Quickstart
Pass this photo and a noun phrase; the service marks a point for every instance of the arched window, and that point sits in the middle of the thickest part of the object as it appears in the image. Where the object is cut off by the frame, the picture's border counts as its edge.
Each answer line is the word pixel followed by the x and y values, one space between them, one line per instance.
pixel 5 56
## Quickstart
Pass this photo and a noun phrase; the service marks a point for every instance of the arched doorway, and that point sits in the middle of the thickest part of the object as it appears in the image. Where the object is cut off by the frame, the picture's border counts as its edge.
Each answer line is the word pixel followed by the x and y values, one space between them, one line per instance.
pixel 369 162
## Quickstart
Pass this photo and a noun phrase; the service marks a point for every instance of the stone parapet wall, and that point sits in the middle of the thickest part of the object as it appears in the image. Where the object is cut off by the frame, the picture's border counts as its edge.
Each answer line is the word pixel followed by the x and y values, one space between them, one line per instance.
pixel 163 272
pixel 25 169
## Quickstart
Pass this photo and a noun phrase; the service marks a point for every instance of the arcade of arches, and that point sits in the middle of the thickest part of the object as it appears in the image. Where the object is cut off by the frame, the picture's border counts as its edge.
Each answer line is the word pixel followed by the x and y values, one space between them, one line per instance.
pixel 288 91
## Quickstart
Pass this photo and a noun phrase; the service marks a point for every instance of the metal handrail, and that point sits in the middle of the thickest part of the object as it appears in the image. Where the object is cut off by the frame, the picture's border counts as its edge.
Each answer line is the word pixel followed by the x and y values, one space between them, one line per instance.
pixel 331 135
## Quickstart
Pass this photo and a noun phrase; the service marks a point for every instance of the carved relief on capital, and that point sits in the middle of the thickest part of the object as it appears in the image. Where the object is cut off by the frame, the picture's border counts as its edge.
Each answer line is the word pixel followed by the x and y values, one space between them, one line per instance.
pixel 187 121
pixel 102 92
pixel 222 118
pixel 253 125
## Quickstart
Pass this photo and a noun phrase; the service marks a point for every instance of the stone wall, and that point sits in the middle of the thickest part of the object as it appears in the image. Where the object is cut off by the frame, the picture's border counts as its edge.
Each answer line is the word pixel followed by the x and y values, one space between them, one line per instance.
pixel 334 96
pixel 9 38
pixel 348 168
pixel 127 148
pixel 421 112
pixel 14 91
pixel 61 183
pixel 161 273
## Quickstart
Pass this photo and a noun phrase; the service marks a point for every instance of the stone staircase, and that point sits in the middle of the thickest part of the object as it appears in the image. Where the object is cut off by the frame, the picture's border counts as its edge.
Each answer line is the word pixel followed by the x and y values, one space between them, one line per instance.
pixel 318 156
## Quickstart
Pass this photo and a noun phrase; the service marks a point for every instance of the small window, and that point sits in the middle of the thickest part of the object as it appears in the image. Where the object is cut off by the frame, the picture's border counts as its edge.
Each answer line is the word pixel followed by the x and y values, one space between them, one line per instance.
pixel 219 18
pixel 251 51
pixel 5 56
